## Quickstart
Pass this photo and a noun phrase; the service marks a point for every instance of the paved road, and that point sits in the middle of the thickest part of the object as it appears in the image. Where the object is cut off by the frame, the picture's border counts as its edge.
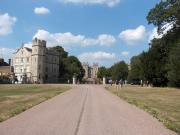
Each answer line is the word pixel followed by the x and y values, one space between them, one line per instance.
pixel 84 110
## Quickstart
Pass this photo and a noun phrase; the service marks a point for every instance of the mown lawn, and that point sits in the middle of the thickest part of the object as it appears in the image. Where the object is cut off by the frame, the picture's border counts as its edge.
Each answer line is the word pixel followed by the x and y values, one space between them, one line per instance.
pixel 15 99
pixel 162 103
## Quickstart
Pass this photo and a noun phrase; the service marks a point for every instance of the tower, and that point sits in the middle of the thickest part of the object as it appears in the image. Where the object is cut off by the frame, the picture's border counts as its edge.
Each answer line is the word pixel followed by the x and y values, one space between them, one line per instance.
pixel 95 70
pixel 38 60
pixel 86 68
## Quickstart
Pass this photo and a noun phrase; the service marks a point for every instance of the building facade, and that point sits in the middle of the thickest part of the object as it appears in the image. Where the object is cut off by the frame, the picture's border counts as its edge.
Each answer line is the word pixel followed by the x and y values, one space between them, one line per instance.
pixel 6 71
pixel 38 64
pixel 90 72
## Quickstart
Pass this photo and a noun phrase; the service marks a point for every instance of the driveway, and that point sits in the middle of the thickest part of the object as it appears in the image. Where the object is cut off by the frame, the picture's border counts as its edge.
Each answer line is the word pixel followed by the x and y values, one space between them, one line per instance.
pixel 84 110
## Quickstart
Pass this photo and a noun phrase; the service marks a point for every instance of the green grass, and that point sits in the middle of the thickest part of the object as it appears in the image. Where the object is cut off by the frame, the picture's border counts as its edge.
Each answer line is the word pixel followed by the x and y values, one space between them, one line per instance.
pixel 15 99
pixel 162 103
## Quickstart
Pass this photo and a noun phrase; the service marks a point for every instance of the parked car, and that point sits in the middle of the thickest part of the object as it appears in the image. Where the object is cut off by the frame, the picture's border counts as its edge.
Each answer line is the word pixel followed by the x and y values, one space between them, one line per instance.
pixel 136 82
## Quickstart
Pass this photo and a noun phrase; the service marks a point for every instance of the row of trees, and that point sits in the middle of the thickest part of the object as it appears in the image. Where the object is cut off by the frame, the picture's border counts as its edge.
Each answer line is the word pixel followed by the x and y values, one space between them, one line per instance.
pixel 160 65
pixel 116 72
pixel 69 66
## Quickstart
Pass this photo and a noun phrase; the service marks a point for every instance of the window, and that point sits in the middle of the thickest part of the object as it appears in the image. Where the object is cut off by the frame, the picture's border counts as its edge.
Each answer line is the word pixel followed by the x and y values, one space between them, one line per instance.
pixel 28 69
pixel 16 69
pixel 17 60
pixel 39 67
pixel 21 59
pixel 27 59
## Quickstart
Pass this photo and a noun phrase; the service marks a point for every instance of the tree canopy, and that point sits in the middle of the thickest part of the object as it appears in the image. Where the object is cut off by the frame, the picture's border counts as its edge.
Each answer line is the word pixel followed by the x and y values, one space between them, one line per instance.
pixel 160 64
pixel 69 66
pixel 119 71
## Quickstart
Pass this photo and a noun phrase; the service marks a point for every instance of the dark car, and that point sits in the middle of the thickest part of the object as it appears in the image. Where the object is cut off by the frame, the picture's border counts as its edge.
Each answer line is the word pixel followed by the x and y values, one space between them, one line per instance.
pixel 136 82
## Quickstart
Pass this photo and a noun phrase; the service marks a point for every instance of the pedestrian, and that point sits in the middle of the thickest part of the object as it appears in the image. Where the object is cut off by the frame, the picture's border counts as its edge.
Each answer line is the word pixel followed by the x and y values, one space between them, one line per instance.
pixel 110 82
pixel 116 83
pixel 121 83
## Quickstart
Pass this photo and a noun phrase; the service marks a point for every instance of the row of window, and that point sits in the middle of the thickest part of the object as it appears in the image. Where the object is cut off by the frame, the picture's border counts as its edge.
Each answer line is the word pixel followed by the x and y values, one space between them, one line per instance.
pixel 51 59
pixel 21 69
pixel 52 70
pixel 23 59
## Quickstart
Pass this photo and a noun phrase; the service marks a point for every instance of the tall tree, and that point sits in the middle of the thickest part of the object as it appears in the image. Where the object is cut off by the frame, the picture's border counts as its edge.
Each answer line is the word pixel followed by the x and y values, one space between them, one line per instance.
pixel 68 66
pixel 102 72
pixel 73 67
pixel 174 67
pixel 119 71
pixel 135 71
pixel 165 13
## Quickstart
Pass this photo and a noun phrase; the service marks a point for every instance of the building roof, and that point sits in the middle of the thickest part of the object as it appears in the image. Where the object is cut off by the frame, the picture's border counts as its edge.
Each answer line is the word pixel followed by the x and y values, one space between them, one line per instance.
pixel 3 63
pixel 28 49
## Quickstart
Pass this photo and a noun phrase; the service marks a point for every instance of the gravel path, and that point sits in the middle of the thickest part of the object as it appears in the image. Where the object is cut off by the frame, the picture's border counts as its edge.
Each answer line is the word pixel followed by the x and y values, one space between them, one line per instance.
pixel 84 110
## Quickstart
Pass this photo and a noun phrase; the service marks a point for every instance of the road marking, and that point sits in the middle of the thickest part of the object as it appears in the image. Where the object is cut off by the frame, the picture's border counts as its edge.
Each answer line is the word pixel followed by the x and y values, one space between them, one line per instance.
pixel 81 113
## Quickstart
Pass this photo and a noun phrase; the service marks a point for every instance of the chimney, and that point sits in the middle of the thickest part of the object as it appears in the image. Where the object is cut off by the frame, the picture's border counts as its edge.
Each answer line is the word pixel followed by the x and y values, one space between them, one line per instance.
pixel 9 62
pixel 1 60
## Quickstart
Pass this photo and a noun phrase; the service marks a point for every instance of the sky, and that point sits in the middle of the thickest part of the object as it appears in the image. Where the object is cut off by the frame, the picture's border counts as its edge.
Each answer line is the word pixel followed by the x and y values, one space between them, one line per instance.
pixel 96 31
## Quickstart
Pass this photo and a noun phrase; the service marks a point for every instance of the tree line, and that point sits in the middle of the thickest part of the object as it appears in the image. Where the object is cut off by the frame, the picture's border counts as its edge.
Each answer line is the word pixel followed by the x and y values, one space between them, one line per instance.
pixel 160 65
pixel 118 71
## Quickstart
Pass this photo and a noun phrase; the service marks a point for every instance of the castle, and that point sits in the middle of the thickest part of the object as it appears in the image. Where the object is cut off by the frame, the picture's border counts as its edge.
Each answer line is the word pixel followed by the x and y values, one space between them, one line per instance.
pixel 37 65
pixel 90 72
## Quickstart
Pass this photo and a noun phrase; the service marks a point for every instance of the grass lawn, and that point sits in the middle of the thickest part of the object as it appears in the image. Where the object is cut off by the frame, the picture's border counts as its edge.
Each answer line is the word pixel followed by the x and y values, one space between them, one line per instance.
pixel 15 99
pixel 162 103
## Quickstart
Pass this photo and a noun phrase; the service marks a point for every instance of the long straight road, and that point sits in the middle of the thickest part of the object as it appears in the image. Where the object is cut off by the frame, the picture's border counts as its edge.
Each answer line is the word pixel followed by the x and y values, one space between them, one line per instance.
pixel 84 110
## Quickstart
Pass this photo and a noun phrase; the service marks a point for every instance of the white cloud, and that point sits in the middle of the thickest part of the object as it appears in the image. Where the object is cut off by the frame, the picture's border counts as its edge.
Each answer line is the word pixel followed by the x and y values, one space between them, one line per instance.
pixel 131 36
pixel 28 45
pixel 6 23
pixel 103 58
pixel 109 3
pixel 6 53
pixel 41 10
pixel 105 39
pixel 154 34
pixel 125 53
pixel 69 39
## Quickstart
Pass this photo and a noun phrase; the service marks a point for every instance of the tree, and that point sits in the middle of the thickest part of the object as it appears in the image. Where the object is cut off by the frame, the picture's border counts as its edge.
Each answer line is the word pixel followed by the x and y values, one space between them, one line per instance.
pixel 158 58
pixel 135 71
pixel 68 66
pixel 162 53
pixel 102 72
pixel 174 67
pixel 164 13
pixel 119 71
pixel 61 51
pixel 73 67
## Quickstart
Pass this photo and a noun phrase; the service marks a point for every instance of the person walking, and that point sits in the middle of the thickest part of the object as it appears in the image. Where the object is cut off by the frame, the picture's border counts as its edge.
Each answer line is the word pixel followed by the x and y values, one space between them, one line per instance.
pixel 121 83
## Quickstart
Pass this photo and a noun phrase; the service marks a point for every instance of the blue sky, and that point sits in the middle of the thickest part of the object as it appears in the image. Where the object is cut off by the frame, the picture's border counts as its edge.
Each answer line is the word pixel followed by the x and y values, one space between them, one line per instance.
pixel 104 31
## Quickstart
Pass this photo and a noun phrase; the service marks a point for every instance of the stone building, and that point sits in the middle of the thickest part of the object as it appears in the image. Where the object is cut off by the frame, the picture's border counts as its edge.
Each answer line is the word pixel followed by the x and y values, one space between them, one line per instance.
pixel 90 72
pixel 38 64
pixel 6 71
